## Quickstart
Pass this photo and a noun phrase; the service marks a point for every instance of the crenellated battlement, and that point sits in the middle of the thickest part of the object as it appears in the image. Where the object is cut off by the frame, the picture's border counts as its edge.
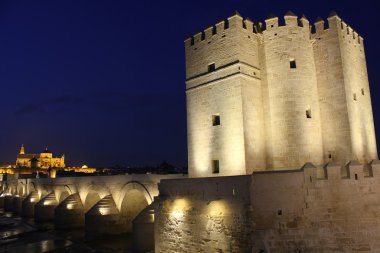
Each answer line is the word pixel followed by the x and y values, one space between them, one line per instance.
pixel 236 21
pixel 335 23
pixel 290 19
pixel 353 170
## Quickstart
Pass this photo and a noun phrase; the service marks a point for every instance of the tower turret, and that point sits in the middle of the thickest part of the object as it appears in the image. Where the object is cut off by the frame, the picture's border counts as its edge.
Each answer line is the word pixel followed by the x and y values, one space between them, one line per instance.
pixel 344 93
pixel 224 123
pixel 290 94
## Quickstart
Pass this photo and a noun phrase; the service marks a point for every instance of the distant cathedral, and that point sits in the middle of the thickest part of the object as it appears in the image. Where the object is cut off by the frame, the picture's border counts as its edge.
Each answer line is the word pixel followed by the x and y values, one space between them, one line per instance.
pixel 43 160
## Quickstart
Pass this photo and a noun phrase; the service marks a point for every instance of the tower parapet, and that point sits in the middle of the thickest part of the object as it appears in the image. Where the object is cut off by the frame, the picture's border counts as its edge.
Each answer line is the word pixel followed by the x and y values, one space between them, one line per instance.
pixel 235 21
pixel 336 24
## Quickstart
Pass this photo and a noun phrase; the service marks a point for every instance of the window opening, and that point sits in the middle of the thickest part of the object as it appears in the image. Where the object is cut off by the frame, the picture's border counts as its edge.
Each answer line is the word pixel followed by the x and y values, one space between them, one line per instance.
pixel 308 113
pixel 293 64
pixel 215 166
pixel 211 67
pixel 215 120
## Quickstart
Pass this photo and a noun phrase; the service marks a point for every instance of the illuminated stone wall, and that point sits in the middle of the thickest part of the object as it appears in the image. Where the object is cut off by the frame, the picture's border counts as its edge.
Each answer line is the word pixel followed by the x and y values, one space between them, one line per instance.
pixel 284 95
pixel 203 215
pixel 290 91
pixel 305 210
pixel 345 101
pixel 226 92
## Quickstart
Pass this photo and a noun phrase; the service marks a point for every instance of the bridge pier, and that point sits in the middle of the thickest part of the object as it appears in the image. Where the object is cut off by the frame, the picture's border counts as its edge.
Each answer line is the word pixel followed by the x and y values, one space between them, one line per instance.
pixel 44 209
pixel 143 230
pixel 8 203
pixel 69 213
pixel 28 204
pixel 17 204
pixel 103 219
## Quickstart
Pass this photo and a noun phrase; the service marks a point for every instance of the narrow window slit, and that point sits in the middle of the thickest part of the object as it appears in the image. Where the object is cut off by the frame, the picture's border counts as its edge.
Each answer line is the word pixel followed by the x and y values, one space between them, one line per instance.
pixel 215 120
pixel 293 64
pixel 308 113
pixel 215 166
pixel 211 67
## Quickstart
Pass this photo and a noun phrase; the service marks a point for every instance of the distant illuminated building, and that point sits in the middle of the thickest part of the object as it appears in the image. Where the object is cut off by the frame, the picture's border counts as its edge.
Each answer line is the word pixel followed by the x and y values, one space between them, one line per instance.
pixel 83 169
pixel 42 160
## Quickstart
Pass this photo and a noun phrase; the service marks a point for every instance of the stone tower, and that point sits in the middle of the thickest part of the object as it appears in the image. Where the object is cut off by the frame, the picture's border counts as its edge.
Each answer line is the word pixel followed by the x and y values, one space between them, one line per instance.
pixel 276 96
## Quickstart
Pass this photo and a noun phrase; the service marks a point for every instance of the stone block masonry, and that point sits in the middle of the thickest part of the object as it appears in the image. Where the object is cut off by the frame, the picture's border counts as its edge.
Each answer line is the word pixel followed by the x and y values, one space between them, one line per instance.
pixel 204 215
pixel 306 210
pixel 283 95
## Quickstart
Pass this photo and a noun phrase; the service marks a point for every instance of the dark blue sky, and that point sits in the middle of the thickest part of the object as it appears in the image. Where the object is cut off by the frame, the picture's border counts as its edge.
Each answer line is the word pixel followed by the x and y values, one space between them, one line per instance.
pixel 103 81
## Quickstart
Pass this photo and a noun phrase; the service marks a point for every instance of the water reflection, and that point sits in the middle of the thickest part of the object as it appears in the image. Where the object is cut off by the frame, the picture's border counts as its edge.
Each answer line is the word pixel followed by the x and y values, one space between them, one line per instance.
pixel 19 235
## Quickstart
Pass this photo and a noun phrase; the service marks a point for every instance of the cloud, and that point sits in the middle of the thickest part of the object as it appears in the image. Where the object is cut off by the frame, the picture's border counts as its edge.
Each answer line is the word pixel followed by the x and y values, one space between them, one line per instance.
pixel 136 101
pixel 29 109
pixel 52 104
pixel 65 100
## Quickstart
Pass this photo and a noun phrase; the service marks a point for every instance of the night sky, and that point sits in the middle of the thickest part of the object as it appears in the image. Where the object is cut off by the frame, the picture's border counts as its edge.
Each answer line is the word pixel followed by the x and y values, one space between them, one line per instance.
pixel 104 81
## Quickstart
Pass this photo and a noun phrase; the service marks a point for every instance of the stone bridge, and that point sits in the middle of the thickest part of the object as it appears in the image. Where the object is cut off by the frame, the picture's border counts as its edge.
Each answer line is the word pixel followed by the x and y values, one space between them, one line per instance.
pixel 101 204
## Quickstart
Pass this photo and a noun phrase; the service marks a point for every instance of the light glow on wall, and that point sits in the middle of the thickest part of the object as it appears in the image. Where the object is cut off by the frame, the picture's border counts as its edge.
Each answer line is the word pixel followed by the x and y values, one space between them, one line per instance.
pixel 218 208
pixel 70 206
pixel 151 218
pixel 48 202
pixel 104 210
pixel 177 214
pixel 179 208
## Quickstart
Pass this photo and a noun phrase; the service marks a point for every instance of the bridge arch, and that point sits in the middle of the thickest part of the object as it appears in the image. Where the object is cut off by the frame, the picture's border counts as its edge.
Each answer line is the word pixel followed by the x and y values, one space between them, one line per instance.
pixel 31 187
pixel 63 191
pixel 133 198
pixel 6 188
pixel 91 194
pixel 13 189
pixel 21 189
pixel 133 186
pixel 43 190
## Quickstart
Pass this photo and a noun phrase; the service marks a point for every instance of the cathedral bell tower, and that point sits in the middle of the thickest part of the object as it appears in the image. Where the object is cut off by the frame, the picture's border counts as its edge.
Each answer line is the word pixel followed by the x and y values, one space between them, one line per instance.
pixel 22 150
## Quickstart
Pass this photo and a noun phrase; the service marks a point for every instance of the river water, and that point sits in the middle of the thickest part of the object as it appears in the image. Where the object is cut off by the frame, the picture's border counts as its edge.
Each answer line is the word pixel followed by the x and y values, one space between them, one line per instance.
pixel 19 235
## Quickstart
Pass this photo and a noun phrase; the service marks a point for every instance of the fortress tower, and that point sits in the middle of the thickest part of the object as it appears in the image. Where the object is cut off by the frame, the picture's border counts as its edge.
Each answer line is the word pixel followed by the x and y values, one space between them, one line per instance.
pixel 276 96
